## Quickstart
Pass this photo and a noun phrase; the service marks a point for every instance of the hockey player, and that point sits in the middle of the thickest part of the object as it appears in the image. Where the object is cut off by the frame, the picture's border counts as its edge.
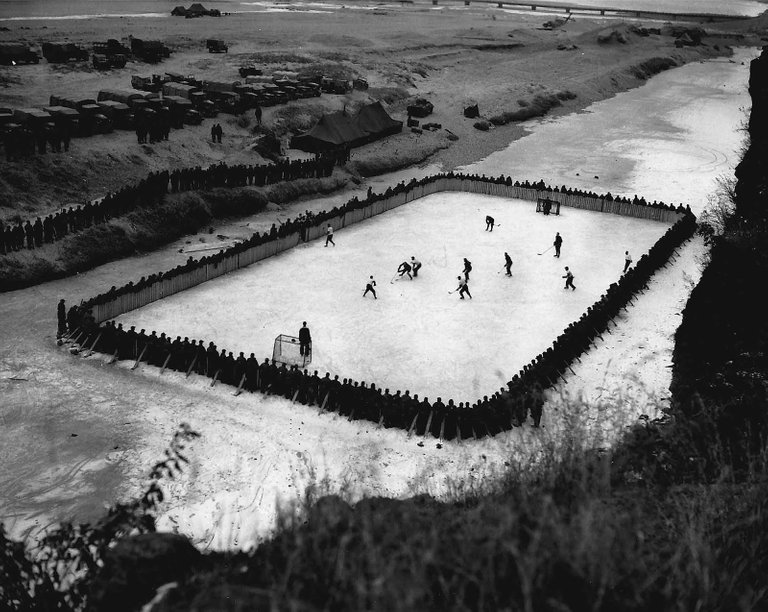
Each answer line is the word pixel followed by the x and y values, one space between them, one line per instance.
pixel 508 264
pixel 627 260
pixel 569 279
pixel 370 287
pixel 329 235
pixel 415 265
pixel 305 341
pixel 405 268
pixel 557 244
pixel 489 221
pixel 467 269
pixel 463 288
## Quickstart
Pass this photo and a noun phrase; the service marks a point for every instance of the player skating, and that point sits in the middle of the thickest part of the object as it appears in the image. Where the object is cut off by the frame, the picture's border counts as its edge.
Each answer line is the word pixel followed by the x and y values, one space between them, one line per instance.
pixel 415 265
pixel 467 269
pixel 370 287
pixel 508 264
pixel 462 288
pixel 329 235
pixel 403 269
pixel 627 260
pixel 569 279
pixel 489 221
pixel 557 244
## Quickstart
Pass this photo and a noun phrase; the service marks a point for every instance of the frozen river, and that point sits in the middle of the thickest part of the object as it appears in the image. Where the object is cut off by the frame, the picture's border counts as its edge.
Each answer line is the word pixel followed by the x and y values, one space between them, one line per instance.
pixel 73 429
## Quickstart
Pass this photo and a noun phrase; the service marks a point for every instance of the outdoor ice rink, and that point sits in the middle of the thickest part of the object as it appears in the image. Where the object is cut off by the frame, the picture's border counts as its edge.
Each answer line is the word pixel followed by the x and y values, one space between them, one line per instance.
pixel 416 335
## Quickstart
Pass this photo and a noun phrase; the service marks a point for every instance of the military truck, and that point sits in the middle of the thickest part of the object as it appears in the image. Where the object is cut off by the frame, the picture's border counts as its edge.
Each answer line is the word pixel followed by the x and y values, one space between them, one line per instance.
pixel 152 83
pixel 118 113
pixel 111 47
pixel 252 70
pixel 129 98
pixel 35 119
pixel 107 62
pixel 335 86
pixel 17 53
pixel 65 117
pixel 181 111
pixel 216 46
pixel 59 53
pixel 150 51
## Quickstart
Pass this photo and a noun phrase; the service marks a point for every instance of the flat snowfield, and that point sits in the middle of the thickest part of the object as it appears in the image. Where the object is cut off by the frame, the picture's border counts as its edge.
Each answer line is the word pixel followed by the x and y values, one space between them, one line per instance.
pixel 416 335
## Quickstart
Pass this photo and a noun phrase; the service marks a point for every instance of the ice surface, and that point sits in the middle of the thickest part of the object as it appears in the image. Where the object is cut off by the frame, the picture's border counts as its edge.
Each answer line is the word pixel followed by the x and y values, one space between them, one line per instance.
pixel 416 335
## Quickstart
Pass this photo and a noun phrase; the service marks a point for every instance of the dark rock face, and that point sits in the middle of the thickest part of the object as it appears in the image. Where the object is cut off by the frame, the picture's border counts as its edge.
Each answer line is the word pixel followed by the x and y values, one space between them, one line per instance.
pixel 137 566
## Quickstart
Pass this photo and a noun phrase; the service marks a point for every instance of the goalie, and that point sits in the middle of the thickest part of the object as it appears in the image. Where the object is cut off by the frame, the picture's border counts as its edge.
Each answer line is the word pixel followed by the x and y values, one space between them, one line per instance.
pixel 305 341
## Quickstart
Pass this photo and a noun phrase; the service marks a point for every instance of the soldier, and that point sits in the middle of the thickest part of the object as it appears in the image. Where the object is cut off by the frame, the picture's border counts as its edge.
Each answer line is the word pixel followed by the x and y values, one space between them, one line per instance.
pixel 29 232
pixel 61 314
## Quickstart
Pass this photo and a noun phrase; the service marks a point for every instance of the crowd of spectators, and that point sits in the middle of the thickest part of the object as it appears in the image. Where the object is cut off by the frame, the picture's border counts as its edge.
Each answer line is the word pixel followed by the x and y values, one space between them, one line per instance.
pixel 509 406
pixel 151 191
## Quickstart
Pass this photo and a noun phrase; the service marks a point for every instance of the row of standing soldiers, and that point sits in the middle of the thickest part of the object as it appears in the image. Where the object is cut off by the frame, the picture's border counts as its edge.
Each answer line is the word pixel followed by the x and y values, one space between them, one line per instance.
pixel 353 399
pixel 25 142
pixel 222 175
pixel 151 191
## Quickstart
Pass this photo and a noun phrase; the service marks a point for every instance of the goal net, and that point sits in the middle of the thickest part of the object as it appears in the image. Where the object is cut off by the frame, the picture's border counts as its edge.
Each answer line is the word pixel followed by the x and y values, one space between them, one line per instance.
pixel 547 206
pixel 287 351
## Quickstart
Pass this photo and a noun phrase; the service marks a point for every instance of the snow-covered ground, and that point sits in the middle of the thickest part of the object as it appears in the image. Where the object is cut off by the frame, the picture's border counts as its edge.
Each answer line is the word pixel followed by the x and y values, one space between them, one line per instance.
pixel 416 335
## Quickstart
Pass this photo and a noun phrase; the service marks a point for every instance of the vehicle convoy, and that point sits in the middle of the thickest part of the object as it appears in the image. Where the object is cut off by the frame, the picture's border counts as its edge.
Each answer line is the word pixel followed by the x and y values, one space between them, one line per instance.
pixel 12 54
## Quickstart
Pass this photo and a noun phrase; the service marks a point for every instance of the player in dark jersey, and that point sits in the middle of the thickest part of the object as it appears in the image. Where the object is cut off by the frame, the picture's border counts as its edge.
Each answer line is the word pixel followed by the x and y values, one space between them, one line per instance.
pixel 370 287
pixel 405 268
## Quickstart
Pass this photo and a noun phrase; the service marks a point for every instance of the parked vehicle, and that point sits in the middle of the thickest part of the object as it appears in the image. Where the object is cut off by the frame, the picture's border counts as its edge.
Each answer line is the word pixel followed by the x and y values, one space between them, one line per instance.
pixel 252 70
pixel 152 83
pixel 181 111
pixel 17 53
pixel 118 113
pixel 217 46
pixel 111 48
pixel 420 108
pixel 65 117
pixel 57 53
pixel 150 51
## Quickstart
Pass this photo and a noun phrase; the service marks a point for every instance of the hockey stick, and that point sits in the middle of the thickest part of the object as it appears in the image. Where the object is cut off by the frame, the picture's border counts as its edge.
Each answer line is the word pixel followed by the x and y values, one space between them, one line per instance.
pixel 191 365
pixel 215 377
pixel 549 249
pixel 90 350
pixel 240 387
pixel 322 406
pixel 136 365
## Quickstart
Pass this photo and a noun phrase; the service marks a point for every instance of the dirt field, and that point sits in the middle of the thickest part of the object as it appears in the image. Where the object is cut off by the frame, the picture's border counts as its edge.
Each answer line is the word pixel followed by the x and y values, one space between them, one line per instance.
pixel 454 58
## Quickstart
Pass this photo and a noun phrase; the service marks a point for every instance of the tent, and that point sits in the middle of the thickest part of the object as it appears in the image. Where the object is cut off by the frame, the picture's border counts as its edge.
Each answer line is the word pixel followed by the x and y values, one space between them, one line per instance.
pixel 376 122
pixel 179 11
pixel 339 129
pixel 197 9
pixel 332 131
